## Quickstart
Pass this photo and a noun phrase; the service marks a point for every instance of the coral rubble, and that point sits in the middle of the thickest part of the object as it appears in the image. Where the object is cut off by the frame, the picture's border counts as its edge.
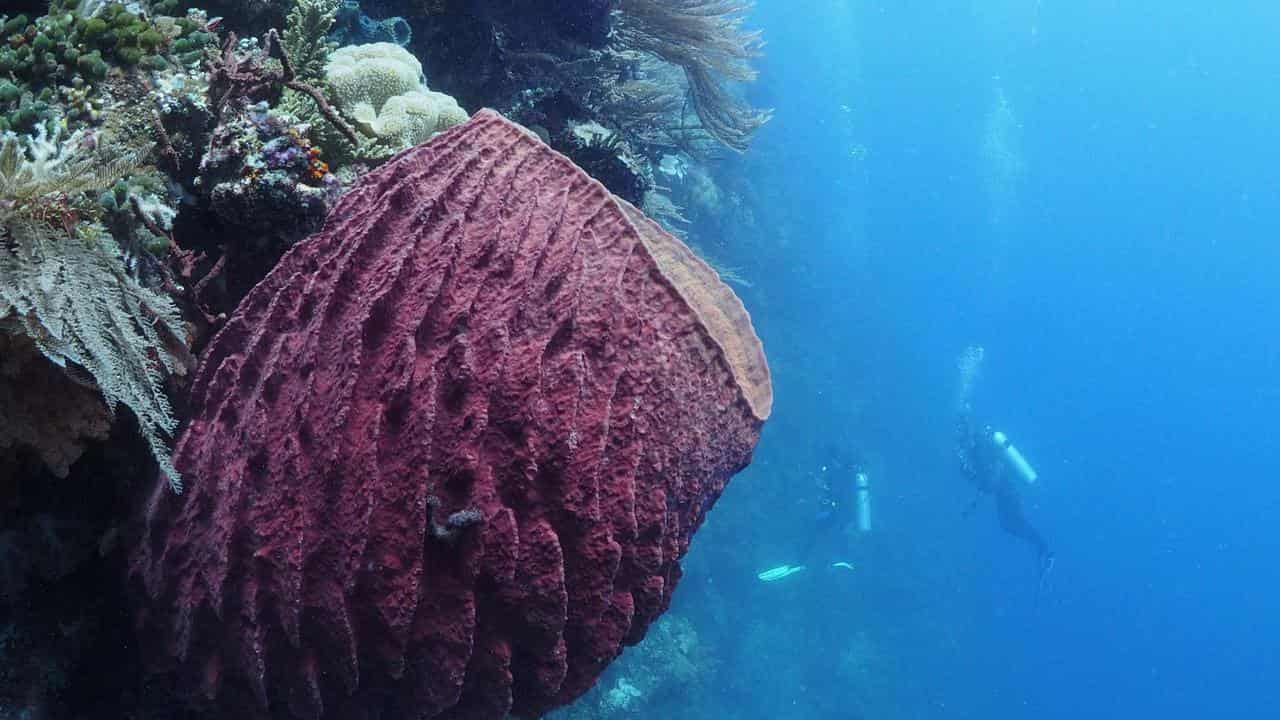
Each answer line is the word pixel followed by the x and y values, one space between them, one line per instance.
pixel 447 456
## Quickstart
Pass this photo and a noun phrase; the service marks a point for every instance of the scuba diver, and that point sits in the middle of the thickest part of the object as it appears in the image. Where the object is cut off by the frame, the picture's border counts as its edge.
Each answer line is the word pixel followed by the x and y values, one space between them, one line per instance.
pixel 994 466
pixel 845 496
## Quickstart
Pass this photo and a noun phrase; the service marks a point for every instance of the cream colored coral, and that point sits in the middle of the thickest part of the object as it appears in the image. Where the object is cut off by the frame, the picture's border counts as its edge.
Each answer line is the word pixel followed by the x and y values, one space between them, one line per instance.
pixel 380 87
pixel 413 117
pixel 372 74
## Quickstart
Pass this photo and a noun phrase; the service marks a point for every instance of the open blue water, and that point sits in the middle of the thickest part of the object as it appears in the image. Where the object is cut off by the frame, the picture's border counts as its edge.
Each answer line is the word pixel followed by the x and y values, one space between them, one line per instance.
pixel 1091 191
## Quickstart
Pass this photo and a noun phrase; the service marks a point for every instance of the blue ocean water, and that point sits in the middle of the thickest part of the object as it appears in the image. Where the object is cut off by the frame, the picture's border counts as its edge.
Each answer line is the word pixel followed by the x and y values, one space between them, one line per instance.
pixel 1089 191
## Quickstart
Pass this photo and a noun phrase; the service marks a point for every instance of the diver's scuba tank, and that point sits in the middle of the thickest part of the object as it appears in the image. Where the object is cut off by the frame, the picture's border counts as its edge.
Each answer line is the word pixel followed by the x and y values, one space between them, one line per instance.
pixel 1014 458
pixel 864 502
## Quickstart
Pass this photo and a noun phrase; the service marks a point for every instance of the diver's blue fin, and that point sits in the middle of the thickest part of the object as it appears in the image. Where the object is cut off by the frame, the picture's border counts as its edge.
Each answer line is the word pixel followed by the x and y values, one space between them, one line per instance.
pixel 778 573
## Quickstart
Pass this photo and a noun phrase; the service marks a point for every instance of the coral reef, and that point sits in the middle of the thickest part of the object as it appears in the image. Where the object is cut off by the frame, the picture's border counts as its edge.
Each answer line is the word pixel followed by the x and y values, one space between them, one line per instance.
pixel 447 456
pixel 380 87
pixel 353 27
pixel 43 409
pixel 61 65
pixel 306 36
pixel 67 284
pixel 248 72
pixel 667 667
pixel 583 22
pixel 634 66
pixel 244 17
pixel 705 39
pixel 154 167
pixel 264 178
pixel 608 158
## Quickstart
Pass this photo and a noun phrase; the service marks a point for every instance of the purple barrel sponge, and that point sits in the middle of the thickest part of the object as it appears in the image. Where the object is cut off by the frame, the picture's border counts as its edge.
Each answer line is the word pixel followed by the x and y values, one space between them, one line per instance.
pixel 443 461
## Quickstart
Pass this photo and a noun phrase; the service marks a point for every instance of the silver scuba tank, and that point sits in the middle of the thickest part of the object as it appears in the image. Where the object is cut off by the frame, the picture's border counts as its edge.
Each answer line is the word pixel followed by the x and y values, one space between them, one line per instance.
pixel 863 486
pixel 1014 458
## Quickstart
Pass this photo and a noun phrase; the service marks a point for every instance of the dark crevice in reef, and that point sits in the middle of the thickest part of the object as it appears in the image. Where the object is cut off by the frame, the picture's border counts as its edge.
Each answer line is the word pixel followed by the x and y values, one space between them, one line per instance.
pixel 67 641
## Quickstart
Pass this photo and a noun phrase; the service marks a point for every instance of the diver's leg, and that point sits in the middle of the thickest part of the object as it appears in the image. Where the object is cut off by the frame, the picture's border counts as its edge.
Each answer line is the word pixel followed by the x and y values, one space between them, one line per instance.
pixel 1013 519
pixel 818 535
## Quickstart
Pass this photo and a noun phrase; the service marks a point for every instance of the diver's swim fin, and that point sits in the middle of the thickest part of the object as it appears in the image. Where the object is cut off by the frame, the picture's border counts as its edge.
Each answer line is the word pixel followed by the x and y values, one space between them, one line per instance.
pixel 1046 566
pixel 777 573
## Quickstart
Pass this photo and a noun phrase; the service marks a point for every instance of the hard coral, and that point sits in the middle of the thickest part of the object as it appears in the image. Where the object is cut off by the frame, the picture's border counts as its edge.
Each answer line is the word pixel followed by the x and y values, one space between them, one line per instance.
pixel 406 120
pixel 447 456
pixel 60 64
pixel 380 87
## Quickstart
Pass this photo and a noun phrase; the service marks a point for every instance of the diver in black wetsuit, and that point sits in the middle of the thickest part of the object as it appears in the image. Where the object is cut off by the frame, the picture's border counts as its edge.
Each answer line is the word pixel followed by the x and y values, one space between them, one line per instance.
pixel 841 489
pixel 982 463
pixel 833 514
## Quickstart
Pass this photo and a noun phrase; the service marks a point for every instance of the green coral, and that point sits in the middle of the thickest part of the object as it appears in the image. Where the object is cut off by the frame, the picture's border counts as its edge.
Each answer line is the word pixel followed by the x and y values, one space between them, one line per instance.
pixel 74 46
pixel 306 42
pixel 306 36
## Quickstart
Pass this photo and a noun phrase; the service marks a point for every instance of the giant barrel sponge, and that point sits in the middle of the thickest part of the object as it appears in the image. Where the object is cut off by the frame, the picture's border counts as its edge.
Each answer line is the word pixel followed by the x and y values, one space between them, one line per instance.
pixel 445 459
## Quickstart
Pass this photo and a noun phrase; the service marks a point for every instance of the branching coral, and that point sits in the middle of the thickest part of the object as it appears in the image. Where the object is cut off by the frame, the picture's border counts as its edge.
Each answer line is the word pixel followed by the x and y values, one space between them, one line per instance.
pixel 306 42
pixel 305 37
pixel 247 74
pixel 706 39
pixel 64 285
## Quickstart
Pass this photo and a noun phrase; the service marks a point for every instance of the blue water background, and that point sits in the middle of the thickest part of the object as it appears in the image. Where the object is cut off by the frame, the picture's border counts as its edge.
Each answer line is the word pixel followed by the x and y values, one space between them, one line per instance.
pixel 1128 305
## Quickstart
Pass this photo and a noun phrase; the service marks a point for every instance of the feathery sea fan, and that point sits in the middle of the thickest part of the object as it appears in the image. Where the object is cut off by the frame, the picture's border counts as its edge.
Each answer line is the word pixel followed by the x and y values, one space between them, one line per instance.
pixel 63 283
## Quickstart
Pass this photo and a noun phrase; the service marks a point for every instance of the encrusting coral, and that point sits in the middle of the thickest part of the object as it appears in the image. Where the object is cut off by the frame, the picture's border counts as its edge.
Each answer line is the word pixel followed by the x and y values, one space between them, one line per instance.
pixel 263 175
pixel 43 409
